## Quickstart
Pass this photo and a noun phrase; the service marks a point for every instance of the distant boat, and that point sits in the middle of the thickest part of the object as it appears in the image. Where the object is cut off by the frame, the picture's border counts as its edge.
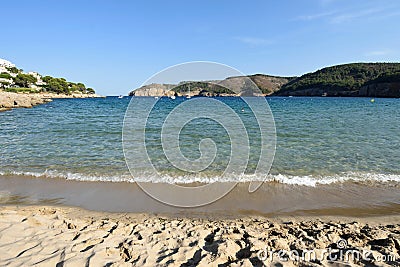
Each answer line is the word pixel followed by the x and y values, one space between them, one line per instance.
pixel 324 94
pixel 121 96
pixel 156 97
pixel 172 96
pixel 372 100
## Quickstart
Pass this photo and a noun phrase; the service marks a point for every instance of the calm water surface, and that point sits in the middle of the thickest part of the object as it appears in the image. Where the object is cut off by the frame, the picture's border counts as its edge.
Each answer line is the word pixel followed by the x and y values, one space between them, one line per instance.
pixel 319 140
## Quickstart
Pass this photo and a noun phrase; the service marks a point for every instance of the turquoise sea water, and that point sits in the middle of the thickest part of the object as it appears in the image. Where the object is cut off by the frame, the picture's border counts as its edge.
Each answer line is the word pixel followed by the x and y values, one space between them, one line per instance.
pixel 319 140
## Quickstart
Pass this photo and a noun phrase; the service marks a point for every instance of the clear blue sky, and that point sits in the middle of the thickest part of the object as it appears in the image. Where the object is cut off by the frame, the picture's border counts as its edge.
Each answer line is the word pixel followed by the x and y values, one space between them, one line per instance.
pixel 114 46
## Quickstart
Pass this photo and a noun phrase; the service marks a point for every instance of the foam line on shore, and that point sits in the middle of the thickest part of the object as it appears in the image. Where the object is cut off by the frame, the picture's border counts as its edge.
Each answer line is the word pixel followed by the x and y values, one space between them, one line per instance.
pixel 306 180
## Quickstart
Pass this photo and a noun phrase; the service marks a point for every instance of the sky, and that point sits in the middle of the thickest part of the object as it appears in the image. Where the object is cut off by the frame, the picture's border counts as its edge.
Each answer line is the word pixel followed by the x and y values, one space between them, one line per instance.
pixel 115 46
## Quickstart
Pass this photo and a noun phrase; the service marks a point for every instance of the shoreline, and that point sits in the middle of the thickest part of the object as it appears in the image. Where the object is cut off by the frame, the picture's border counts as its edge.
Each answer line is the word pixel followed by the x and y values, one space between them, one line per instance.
pixel 76 212
pixel 71 236
pixel 269 96
pixel 270 200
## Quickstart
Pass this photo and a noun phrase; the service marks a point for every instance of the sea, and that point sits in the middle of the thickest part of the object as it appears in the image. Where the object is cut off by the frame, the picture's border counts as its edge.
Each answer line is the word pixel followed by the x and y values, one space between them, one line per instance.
pixel 322 144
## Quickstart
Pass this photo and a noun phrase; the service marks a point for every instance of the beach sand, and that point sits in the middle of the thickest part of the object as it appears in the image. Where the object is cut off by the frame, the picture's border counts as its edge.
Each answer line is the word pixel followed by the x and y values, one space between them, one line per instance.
pixel 50 221
pixel 67 236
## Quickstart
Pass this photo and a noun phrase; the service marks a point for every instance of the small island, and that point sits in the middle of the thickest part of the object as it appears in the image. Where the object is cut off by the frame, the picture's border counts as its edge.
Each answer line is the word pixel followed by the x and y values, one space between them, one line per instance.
pixel 27 89
pixel 351 80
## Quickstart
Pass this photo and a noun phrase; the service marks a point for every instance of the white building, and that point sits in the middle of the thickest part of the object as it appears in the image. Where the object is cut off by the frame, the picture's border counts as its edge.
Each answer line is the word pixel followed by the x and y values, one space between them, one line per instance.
pixel 39 81
pixel 3 69
pixel 35 74
pixel 6 64
pixel 5 83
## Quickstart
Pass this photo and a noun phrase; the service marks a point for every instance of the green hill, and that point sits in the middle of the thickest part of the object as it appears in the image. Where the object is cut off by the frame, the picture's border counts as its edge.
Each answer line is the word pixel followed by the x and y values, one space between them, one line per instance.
pixel 355 79
pixel 348 80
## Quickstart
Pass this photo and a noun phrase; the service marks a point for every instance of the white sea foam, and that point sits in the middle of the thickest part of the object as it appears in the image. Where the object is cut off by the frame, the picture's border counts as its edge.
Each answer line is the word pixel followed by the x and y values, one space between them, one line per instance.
pixel 306 180
pixel 70 176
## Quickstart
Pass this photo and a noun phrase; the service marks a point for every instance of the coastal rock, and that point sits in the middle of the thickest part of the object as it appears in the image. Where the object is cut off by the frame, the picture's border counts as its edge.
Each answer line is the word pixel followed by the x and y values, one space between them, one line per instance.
pixel 154 89
pixel 14 100
pixel 258 84
pixel 10 100
pixel 388 89
pixel 191 93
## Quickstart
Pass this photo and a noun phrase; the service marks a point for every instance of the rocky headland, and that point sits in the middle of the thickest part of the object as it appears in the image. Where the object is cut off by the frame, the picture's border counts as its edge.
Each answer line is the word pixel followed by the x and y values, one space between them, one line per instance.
pixel 9 100
pixel 231 86
pixel 20 89
pixel 355 80
pixel 381 89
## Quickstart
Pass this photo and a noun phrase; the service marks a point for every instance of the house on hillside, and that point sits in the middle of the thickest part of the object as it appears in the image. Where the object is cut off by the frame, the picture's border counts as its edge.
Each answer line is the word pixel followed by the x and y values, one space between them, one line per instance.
pixel 6 64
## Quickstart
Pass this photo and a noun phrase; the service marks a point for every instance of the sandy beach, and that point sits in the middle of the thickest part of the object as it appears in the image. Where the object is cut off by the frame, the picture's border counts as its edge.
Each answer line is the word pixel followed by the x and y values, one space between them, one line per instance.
pixel 200 133
pixel 58 222
pixel 66 236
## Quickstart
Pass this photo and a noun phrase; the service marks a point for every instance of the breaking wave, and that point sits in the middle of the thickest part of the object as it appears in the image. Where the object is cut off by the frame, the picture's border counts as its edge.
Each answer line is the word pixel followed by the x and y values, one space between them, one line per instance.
pixel 306 180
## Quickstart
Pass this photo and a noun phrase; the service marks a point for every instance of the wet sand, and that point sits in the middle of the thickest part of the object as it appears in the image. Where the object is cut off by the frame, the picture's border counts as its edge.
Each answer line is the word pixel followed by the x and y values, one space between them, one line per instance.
pixel 271 199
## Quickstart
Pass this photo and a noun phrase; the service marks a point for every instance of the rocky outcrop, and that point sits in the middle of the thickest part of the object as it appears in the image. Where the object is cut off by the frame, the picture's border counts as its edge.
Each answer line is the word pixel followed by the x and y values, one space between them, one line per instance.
pixel 14 100
pixel 154 89
pixel 385 89
pixel 239 86
pixel 10 100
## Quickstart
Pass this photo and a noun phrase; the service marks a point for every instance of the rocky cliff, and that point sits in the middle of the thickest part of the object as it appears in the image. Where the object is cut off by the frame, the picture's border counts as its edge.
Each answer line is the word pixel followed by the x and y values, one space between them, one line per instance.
pixel 154 89
pixel 9 100
pixel 372 89
pixel 14 100
pixel 382 89
pixel 232 86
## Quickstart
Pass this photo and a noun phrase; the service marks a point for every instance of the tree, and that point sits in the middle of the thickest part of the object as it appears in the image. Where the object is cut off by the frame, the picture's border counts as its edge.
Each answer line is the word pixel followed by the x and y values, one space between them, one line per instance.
pixel 4 84
pixel 61 86
pixel 77 87
pixel 81 87
pixel 24 80
pixel 46 79
pixel 346 77
pixel 57 85
pixel 12 69
pixel 90 91
pixel 5 75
